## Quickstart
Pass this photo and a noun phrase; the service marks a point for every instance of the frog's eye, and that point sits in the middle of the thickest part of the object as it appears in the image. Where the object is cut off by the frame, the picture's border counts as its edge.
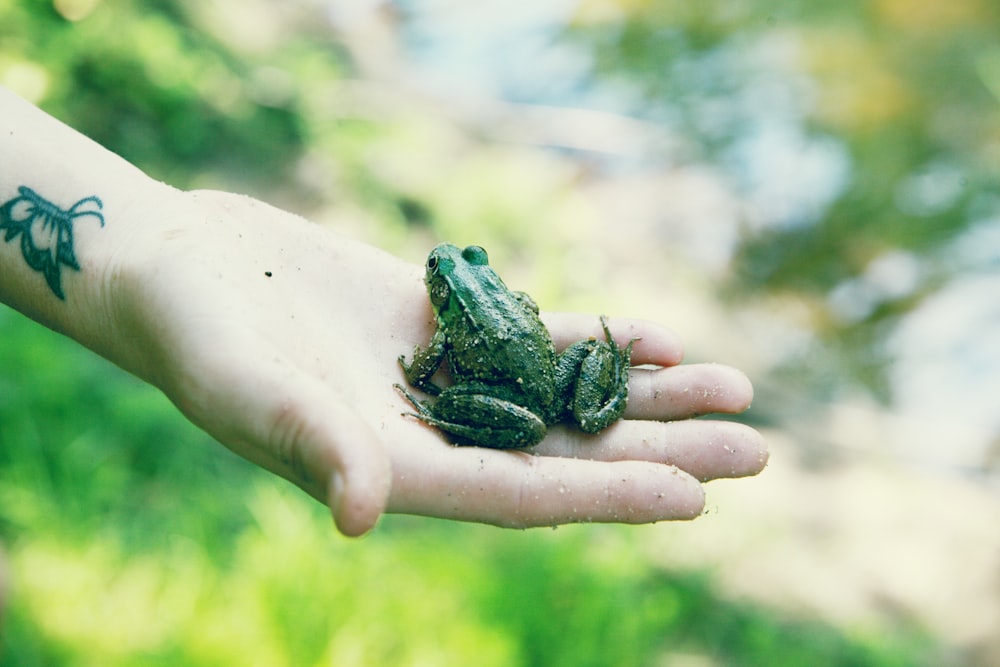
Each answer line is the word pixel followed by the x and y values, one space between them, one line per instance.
pixel 475 255
pixel 440 265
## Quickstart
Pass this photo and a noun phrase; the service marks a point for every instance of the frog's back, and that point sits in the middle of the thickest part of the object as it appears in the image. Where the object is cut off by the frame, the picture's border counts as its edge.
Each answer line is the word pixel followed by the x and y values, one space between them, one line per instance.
pixel 498 339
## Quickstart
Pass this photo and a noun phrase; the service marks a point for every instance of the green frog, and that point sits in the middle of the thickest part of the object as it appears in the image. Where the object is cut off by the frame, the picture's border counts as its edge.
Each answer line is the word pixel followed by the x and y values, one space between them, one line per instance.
pixel 509 384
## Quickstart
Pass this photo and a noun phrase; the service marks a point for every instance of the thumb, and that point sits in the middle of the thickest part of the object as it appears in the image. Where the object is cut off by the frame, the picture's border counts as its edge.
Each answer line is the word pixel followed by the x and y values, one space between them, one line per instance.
pixel 326 447
pixel 297 427
pixel 355 466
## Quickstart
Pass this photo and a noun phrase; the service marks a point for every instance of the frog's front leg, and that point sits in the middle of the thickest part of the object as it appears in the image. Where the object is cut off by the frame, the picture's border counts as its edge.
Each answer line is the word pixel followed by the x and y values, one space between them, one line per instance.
pixel 592 376
pixel 472 416
pixel 425 364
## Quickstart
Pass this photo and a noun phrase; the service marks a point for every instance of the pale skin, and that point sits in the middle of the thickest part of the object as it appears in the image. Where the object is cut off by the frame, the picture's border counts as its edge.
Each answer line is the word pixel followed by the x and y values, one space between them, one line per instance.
pixel 280 338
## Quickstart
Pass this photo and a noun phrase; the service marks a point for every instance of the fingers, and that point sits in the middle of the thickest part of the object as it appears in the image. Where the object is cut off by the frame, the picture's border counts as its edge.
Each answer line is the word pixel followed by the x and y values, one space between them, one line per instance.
pixel 704 449
pixel 654 344
pixel 680 392
pixel 519 490
pixel 639 470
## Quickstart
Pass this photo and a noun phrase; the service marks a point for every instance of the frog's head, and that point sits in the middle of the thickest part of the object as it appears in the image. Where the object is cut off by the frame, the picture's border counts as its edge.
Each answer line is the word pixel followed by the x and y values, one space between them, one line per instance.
pixel 451 270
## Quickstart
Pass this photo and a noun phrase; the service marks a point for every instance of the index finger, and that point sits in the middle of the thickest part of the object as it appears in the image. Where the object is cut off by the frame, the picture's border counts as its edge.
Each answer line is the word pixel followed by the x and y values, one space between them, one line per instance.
pixel 654 343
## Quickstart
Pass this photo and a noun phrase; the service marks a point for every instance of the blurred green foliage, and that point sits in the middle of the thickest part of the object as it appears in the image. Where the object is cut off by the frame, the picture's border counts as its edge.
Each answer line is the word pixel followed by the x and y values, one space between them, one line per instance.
pixel 134 540
pixel 907 93
pixel 141 78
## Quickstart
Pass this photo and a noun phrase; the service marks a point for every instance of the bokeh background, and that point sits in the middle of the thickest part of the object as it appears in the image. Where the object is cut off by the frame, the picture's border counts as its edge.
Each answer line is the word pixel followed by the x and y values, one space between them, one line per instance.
pixel 808 191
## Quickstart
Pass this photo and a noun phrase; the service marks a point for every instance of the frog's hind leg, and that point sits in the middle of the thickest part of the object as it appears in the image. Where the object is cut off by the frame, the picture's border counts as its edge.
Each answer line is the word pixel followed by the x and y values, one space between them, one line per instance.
pixel 595 408
pixel 472 418
pixel 594 378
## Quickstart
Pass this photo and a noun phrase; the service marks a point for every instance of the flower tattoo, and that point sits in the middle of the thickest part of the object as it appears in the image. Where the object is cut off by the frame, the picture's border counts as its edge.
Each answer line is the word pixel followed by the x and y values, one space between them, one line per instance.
pixel 46 232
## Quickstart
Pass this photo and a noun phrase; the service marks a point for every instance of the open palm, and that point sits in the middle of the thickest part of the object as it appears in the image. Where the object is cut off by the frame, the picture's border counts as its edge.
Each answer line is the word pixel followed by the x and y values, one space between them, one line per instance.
pixel 281 339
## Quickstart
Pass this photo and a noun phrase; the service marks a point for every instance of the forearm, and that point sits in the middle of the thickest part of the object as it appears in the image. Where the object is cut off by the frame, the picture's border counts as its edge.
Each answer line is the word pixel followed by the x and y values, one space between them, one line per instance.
pixel 68 207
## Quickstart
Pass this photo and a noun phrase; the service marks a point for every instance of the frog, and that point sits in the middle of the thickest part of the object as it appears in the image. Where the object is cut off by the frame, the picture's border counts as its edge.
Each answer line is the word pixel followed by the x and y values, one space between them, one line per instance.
pixel 509 385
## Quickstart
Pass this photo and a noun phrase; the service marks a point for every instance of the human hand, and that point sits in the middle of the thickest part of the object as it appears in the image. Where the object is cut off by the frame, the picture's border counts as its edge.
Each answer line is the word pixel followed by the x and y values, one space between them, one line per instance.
pixel 280 339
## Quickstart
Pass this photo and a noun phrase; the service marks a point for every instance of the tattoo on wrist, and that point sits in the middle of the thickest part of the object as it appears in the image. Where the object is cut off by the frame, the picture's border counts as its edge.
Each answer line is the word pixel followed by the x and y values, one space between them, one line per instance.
pixel 46 232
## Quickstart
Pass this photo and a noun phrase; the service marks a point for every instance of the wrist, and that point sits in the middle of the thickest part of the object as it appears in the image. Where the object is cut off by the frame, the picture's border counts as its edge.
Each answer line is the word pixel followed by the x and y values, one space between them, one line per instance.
pixel 70 214
pixel 112 258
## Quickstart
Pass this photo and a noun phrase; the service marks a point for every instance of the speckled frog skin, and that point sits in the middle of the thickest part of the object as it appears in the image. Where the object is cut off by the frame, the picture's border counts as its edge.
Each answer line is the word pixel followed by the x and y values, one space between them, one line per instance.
pixel 509 383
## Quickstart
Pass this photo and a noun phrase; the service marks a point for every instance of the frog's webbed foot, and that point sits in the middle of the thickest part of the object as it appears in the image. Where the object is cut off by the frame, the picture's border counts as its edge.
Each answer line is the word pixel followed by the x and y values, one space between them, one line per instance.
pixel 593 376
pixel 420 406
